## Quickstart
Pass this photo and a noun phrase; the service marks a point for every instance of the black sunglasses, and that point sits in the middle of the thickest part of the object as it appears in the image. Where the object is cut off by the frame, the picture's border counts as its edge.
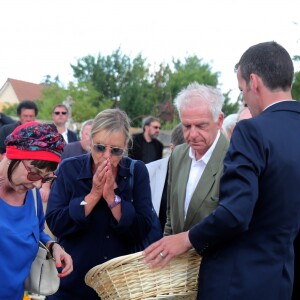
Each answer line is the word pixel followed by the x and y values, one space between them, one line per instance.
pixel 155 127
pixel 36 177
pixel 60 112
pixel 115 151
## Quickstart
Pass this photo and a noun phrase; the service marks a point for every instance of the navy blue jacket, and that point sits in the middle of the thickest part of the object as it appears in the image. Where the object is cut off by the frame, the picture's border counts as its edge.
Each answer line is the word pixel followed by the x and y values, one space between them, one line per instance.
pixel 247 242
pixel 95 239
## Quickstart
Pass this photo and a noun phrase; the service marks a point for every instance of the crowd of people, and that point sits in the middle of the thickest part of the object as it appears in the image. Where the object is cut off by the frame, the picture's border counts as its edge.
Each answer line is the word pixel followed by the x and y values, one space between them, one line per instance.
pixel 228 188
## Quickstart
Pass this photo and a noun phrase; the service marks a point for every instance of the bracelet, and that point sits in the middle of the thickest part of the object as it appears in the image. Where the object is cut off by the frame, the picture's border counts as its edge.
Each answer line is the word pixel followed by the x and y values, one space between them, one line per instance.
pixel 50 247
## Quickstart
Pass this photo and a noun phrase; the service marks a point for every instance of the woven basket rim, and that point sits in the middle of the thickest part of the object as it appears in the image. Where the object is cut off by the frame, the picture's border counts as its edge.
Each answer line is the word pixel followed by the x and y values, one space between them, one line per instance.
pixel 127 277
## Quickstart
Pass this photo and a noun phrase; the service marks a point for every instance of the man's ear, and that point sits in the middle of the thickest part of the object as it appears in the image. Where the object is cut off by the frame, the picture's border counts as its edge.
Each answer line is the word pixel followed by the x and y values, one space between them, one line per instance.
pixel 220 120
pixel 255 82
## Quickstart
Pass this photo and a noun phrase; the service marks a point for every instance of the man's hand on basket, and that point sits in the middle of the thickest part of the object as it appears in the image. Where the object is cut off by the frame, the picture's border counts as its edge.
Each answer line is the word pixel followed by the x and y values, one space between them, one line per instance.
pixel 162 251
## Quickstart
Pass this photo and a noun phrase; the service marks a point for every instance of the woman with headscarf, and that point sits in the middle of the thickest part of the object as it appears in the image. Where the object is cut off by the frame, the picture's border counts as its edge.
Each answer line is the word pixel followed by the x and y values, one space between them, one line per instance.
pixel 93 210
pixel 33 151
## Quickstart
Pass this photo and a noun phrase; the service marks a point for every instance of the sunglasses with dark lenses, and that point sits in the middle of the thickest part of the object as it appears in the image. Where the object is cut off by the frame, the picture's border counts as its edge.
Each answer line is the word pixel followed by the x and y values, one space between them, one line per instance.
pixel 116 151
pixel 156 127
pixel 60 112
pixel 36 177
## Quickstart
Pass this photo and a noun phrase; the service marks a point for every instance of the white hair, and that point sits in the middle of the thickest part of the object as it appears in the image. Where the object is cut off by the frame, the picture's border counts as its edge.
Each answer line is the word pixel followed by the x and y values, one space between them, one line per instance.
pixel 229 123
pixel 196 93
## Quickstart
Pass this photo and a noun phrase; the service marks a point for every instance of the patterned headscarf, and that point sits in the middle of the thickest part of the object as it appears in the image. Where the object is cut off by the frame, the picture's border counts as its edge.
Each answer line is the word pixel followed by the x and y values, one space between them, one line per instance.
pixel 34 140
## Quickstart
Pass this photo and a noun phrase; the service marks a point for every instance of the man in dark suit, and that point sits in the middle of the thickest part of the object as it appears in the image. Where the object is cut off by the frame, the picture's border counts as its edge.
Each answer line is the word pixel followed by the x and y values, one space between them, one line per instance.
pixel 60 114
pixel 4 120
pixel 195 167
pixel 247 242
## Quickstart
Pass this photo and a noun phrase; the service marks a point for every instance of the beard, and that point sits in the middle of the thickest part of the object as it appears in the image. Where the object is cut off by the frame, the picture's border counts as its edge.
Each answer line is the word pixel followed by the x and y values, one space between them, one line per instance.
pixel 154 136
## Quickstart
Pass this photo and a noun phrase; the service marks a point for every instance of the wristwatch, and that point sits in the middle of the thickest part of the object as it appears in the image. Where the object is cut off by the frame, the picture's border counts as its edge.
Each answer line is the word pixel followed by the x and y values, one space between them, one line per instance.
pixel 116 202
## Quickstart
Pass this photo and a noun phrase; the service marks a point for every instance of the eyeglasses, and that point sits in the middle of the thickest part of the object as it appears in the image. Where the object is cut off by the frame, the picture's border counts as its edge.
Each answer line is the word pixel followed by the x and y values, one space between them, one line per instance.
pixel 32 176
pixel 156 127
pixel 60 112
pixel 115 151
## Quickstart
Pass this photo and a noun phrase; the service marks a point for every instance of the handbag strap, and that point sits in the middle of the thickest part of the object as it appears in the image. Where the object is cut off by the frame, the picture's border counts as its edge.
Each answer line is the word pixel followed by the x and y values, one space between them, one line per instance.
pixel 131 177
pixel 42 245
pixel 35 199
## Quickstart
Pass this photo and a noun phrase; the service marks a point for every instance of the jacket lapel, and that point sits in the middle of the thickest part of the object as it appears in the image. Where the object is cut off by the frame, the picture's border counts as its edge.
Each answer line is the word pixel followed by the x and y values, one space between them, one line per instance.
pixel 207 181
pixel 185 172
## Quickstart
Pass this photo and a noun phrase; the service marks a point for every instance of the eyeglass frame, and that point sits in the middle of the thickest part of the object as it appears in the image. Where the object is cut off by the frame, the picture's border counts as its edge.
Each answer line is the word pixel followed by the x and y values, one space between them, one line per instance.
pixel 155 127
pixel 60 113
pixel 96 148
pixel 43 179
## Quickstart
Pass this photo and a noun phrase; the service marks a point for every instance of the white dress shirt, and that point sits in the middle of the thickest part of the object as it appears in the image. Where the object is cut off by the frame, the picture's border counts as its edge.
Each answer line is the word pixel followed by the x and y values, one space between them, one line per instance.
pixel 196 171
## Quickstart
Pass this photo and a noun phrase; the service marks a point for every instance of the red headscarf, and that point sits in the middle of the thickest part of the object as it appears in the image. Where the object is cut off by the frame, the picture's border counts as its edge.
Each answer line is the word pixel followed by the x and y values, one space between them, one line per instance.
pixel 34 140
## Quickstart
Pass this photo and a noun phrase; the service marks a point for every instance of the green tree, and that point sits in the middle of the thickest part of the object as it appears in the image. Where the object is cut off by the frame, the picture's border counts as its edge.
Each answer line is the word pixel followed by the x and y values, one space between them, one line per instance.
pixel 191 70
pixel 296 84
pixel 107 74
pixel 229 107
pixel 130 85
pixel 83 94
pixel 296 87
pixel 137 95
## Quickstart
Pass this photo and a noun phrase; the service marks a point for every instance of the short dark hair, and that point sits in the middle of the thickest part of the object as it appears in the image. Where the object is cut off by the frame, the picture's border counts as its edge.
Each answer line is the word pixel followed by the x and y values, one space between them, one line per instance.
pixel 27 104
pixel 271 62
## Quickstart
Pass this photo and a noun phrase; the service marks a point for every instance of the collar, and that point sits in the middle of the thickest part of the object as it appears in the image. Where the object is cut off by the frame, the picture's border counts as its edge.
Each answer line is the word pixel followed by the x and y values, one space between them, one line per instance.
pixel 206 157
pixel 277 102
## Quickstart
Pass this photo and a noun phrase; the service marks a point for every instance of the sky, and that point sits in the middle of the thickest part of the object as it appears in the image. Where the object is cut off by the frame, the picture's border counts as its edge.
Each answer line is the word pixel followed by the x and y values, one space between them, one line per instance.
pixel 40 37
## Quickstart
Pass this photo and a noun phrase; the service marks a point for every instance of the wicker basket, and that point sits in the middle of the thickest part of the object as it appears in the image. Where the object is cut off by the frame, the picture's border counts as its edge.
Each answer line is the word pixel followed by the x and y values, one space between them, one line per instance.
pixel 127 277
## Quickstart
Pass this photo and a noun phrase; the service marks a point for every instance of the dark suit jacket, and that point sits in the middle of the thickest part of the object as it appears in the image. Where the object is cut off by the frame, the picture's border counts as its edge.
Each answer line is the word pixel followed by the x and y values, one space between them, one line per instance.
pixel 206 195
pixel 72 149
pixel 72 137
pixel 4 132
pixel 4 120
pixel 247 242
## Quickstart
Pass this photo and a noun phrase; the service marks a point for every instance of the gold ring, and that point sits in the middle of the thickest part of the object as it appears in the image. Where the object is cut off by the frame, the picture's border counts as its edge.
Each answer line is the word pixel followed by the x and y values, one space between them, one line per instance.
pixel 161 254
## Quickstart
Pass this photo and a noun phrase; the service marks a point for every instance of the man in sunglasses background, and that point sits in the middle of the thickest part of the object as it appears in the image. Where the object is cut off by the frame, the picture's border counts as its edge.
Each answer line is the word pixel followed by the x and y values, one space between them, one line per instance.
pixel 60 116
pixel 145 145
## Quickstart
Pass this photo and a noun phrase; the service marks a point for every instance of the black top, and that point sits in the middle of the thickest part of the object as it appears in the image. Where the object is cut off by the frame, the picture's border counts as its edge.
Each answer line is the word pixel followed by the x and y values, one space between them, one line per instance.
pixel 4 120
pixel 4 132
pixel 72 149
pixel 144 151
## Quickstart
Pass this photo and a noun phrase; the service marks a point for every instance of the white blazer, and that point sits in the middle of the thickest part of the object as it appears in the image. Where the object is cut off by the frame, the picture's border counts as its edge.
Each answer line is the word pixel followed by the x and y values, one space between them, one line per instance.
pixel 157 174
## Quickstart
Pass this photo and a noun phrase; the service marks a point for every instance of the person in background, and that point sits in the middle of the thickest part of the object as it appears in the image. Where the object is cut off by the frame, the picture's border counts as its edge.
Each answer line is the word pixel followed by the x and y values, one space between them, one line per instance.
pixel 145 145
pixel 231 120
pixel 244 113
pixel 60 116
pixel 82 146
pixel 91 208
pixel 4 120
pixel 27 111
pixel 158 174
pixel 32 154
pixel 229 124
pixel 247 242
pixel 195 167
